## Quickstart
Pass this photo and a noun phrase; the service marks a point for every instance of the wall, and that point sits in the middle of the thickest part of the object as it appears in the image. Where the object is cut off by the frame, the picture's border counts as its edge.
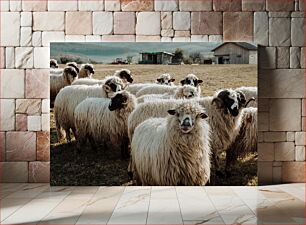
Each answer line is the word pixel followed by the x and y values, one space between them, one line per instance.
pixel 28 26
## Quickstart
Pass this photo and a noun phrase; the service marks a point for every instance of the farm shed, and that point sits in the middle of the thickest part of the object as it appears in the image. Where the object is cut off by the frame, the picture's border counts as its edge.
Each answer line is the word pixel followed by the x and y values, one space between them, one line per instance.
pixel 235 53
pixel 156 58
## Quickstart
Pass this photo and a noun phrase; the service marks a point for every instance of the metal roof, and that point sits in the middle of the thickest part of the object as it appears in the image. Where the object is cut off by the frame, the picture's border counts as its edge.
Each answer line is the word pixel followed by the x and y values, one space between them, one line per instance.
pixel 244 45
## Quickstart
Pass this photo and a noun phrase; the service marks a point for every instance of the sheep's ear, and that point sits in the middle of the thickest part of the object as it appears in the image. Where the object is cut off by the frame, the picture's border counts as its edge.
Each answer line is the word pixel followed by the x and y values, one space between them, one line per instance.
pixel 200 81
pixel 106 88
pixel 66 75
pixel 202 115
pixel 218 102
pixel 183 82
pixel 158 79
pixel 172 112
pixel 172 80
pixel 241 97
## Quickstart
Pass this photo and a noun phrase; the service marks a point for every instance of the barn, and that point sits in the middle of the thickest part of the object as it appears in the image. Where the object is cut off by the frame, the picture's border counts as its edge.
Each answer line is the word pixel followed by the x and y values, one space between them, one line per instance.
pixel 156 58
pixel 235 53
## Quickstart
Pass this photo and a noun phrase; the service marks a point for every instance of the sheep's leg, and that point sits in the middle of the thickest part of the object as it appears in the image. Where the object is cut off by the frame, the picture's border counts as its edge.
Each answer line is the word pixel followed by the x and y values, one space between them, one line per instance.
pixel 231 159
pixel 80 142
pixel 124 148
pixel 93 144
pixel 75 133
pixel 68 136
pixel 130 169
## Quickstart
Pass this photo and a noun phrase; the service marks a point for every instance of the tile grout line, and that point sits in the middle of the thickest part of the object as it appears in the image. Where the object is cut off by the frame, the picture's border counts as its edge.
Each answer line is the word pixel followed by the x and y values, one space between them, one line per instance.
pixel 31 201
pixel 86 205
pixel 255 213
pixel 54 207
pixel 214 205
pixel 149 205
pixel 116 205
pixel 178 201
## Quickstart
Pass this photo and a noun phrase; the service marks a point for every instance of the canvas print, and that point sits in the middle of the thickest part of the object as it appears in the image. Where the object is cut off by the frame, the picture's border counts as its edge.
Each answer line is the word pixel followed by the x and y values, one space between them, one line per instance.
pixel 153 114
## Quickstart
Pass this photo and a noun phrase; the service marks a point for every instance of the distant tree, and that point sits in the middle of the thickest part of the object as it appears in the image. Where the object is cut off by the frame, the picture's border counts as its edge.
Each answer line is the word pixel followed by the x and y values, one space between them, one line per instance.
pixel 129 59
pixel 187 60
pixel 196 57
pixel 178 56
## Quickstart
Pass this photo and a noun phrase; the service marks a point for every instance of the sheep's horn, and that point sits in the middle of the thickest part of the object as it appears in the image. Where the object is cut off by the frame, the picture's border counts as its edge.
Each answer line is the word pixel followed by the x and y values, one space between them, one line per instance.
pixel 250 100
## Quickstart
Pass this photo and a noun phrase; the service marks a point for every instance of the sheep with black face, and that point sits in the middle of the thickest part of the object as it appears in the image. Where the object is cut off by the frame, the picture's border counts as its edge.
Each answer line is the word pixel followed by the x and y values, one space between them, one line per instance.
pixel 246 140
pixel 104 121
pixel 192 80
pixel 224 111
pixel 69 97
pixel 87 70
pixel 173 150
pixel 53 63
pixel 57 82
pixel 165 79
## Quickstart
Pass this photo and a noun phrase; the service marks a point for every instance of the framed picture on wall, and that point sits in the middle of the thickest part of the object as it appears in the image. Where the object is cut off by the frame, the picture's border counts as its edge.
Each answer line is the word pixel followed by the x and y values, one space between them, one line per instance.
pixel 153 114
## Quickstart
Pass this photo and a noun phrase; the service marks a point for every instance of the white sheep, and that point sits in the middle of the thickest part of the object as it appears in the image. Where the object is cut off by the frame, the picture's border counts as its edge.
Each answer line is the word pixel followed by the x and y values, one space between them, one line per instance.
pixel 53 63
pixel 182 92
pixel 69 97
pixel 87 70
pixel 193 80
pixel 156 89
pixel 250 92
pixel 173 150
pixel 246 140
pixel 57 82
pixel 165 79
pixel 104 121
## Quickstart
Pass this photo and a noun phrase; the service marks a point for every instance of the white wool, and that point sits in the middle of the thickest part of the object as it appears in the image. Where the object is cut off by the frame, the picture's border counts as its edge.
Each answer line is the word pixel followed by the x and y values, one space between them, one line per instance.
pixel 88 81
pixel 134 88
pixel 156 89
pixel 182 92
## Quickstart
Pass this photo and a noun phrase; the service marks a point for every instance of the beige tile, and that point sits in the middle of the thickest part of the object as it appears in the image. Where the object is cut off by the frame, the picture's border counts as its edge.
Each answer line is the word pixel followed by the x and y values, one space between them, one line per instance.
pixel 78 23
pixel 41 207
pixel 12 84
pixel 164 206
pixel 29 191
pixel 194 203
pixel 132 207
pixel 100 208
pixel 9 206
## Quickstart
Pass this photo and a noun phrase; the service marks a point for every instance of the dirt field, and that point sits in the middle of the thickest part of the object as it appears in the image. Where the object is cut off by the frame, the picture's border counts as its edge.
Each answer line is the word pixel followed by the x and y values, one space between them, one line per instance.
pixel 106 167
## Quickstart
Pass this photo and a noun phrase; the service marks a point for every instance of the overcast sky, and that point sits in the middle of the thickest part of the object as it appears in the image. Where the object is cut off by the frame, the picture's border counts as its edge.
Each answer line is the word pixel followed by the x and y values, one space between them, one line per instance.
pixel 107 52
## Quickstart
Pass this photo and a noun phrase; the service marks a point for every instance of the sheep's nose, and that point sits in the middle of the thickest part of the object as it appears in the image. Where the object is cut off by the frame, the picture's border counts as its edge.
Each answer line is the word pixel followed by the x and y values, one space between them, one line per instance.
pixel 186 122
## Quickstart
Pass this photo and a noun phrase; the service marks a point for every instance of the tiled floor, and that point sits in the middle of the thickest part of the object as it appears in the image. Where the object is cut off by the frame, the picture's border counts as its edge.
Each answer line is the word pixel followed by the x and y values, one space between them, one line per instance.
pixel 42 204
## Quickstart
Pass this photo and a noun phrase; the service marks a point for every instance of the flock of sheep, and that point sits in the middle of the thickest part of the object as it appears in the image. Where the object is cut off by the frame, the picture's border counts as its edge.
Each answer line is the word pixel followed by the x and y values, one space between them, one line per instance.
pixel 171 134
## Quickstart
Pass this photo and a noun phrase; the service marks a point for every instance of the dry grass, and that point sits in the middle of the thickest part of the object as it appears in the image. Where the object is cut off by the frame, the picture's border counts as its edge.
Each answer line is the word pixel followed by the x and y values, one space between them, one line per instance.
pixel 107 168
